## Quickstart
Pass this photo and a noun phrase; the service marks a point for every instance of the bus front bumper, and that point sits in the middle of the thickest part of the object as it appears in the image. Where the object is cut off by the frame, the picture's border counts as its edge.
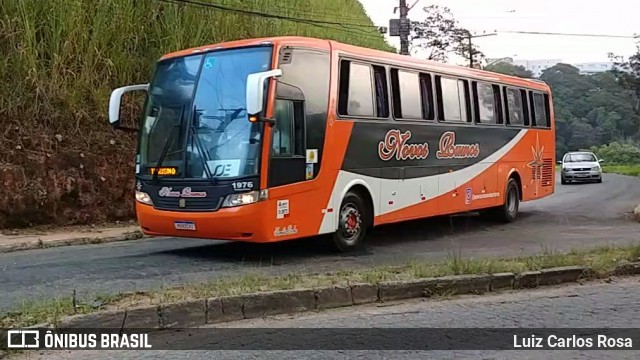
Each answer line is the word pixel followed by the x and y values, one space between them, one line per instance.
pixel 240 223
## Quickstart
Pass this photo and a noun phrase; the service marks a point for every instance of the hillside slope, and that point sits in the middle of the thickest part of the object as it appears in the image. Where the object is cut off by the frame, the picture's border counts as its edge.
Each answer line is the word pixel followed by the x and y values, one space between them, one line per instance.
pixel 60 162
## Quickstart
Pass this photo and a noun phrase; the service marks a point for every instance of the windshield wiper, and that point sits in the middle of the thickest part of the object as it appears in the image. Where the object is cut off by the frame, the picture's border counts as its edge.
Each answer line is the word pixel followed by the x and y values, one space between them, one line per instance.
pixel 165 149
pixel 203 154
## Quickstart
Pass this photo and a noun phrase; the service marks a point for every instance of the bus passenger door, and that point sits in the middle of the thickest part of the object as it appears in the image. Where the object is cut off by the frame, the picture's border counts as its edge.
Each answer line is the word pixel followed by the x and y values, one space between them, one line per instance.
pixel 302 99
pixel 288 151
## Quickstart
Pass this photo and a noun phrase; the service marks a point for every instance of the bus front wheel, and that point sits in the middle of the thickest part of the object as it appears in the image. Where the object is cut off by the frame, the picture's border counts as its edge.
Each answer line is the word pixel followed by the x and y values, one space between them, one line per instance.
pixel 352 224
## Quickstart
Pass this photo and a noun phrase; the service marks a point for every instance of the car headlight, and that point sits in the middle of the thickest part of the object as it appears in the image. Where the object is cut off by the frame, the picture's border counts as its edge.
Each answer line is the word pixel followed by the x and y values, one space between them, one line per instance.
pixel 144 198
pixel 244 198
pixel 596 168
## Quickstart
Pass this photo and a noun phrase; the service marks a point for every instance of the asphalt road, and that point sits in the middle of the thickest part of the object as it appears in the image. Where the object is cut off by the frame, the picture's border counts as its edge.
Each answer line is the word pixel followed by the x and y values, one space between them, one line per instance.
pixel 594 305
pixel 575 216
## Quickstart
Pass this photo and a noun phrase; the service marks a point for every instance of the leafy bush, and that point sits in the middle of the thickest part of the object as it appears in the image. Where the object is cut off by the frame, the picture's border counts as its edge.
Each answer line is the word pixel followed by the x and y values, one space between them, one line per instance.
pixel 618 153
pixel 59 161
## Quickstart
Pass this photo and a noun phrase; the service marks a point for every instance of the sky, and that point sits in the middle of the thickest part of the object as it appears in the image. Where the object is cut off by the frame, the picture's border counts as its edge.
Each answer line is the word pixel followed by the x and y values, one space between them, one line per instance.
pixel 616 17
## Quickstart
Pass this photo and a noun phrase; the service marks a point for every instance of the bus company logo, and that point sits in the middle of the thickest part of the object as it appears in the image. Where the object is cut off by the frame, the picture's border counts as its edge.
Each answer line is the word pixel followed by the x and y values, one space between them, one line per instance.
pixel 395 145
pixel 185 193
pixel 285 230
pixel 448 149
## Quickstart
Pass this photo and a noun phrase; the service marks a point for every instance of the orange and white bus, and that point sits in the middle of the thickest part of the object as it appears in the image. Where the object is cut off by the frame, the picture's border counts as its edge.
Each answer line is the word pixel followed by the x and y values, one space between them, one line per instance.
pixel 273 139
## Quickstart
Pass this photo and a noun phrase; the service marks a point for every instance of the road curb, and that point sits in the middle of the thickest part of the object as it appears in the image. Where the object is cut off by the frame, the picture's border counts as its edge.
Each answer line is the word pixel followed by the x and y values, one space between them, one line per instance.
pixel 193 313
pixel 39 244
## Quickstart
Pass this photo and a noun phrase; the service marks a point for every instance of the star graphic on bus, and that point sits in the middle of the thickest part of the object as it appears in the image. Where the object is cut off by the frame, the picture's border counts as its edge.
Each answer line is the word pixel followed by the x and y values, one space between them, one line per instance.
pixel 537 164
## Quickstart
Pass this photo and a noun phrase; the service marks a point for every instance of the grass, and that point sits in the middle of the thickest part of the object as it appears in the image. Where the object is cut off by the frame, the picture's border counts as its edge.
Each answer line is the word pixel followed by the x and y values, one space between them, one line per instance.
pixel 60 162
pixel 602 260
pixel 631 170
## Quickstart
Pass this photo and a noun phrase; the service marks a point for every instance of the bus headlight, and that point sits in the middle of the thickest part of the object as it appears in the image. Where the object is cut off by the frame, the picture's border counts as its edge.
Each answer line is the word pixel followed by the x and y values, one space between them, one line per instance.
pixel 144 198
pixel 244 199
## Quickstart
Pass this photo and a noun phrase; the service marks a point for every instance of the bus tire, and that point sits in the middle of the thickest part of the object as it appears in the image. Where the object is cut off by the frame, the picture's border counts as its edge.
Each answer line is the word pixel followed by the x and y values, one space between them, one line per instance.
pixel 352 223
pixel 509 210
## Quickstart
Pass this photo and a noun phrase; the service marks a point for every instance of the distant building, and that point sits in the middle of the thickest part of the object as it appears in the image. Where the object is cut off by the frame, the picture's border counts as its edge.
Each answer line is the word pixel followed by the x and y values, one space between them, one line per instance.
pixel 594 67
pixel 504 60
pixel 537 66
pixel 587 68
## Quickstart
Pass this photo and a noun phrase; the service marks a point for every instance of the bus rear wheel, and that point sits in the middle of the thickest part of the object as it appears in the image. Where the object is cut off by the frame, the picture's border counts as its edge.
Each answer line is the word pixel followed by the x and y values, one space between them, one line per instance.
pixel 352 223
pixel 508 211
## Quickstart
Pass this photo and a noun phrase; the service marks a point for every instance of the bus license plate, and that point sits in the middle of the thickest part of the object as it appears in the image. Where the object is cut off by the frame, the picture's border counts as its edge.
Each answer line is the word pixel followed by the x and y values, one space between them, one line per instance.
pixel 185 225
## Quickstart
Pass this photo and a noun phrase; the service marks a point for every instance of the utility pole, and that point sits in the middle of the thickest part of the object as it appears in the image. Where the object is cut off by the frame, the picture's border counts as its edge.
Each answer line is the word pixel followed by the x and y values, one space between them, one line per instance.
pixel 470 37
pixel 402 27
pixel 470 51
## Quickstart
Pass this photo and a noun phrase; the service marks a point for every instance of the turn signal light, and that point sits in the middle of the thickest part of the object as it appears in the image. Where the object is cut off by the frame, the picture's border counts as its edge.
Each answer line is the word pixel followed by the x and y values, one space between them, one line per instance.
pixel 253 118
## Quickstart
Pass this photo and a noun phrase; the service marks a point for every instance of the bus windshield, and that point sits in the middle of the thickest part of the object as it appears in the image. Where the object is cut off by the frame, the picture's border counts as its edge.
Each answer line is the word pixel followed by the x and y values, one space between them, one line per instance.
pixel 196 115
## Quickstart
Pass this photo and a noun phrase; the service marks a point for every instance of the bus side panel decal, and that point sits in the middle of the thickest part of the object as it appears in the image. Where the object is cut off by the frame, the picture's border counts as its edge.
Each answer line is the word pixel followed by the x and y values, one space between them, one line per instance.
pixel 427 185
pixel 427 150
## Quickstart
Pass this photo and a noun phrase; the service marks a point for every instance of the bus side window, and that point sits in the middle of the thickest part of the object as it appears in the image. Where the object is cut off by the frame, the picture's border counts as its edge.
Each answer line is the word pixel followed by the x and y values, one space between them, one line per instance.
pixel 288 132
pixel 381 91
pixel 411 95
pixel 515 112
pixel 539 104
pixel 356 90
pixel 486 108
pixel 453 99
pixel 528 118
pixel 282 143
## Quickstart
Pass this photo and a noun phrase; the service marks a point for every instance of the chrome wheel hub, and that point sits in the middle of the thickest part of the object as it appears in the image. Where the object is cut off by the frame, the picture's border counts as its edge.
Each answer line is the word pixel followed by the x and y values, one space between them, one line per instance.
pixel 350 222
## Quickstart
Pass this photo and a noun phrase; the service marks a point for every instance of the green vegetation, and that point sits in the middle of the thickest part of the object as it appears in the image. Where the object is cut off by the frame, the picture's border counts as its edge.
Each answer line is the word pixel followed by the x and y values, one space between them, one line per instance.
pixel 509 69
pixel 60 162
pixel 618 153
pixel 631 170
pixel 591 109
pixel 602 261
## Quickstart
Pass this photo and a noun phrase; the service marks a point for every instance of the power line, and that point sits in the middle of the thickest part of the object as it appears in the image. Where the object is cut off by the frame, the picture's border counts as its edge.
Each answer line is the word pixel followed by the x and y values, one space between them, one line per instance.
pixel 335 15
pixel 569 34
pixel 317 23
pixel 261 14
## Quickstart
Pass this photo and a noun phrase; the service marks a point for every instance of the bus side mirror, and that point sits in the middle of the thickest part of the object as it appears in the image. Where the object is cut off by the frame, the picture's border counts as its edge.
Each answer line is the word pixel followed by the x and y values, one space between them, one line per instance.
pixel 115 101
pixel 255 92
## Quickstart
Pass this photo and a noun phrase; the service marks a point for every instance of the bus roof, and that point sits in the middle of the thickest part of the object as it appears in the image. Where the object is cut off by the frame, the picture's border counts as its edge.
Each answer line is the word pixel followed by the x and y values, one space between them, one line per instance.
pixel 379 55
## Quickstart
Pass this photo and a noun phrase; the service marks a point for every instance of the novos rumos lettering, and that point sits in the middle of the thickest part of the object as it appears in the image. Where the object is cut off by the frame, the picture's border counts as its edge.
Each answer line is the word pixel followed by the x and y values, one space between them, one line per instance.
pixel 395 144
pixel 450 150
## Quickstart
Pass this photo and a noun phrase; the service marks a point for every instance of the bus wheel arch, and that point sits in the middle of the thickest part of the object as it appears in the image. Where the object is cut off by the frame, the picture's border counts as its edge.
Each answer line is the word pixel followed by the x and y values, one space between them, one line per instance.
pixel 515 175
pixel 354 217
pixel 508 211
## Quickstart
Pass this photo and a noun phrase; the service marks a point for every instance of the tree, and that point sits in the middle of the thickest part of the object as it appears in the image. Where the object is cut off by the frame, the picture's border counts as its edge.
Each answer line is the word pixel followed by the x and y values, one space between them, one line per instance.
pixel 441 34
pixel 509 69
pixel 628 72
pixel 591 110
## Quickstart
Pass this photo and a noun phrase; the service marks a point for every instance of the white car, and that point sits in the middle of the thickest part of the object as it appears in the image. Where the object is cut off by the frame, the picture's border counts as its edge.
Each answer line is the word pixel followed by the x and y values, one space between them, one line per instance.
pixel 582 166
